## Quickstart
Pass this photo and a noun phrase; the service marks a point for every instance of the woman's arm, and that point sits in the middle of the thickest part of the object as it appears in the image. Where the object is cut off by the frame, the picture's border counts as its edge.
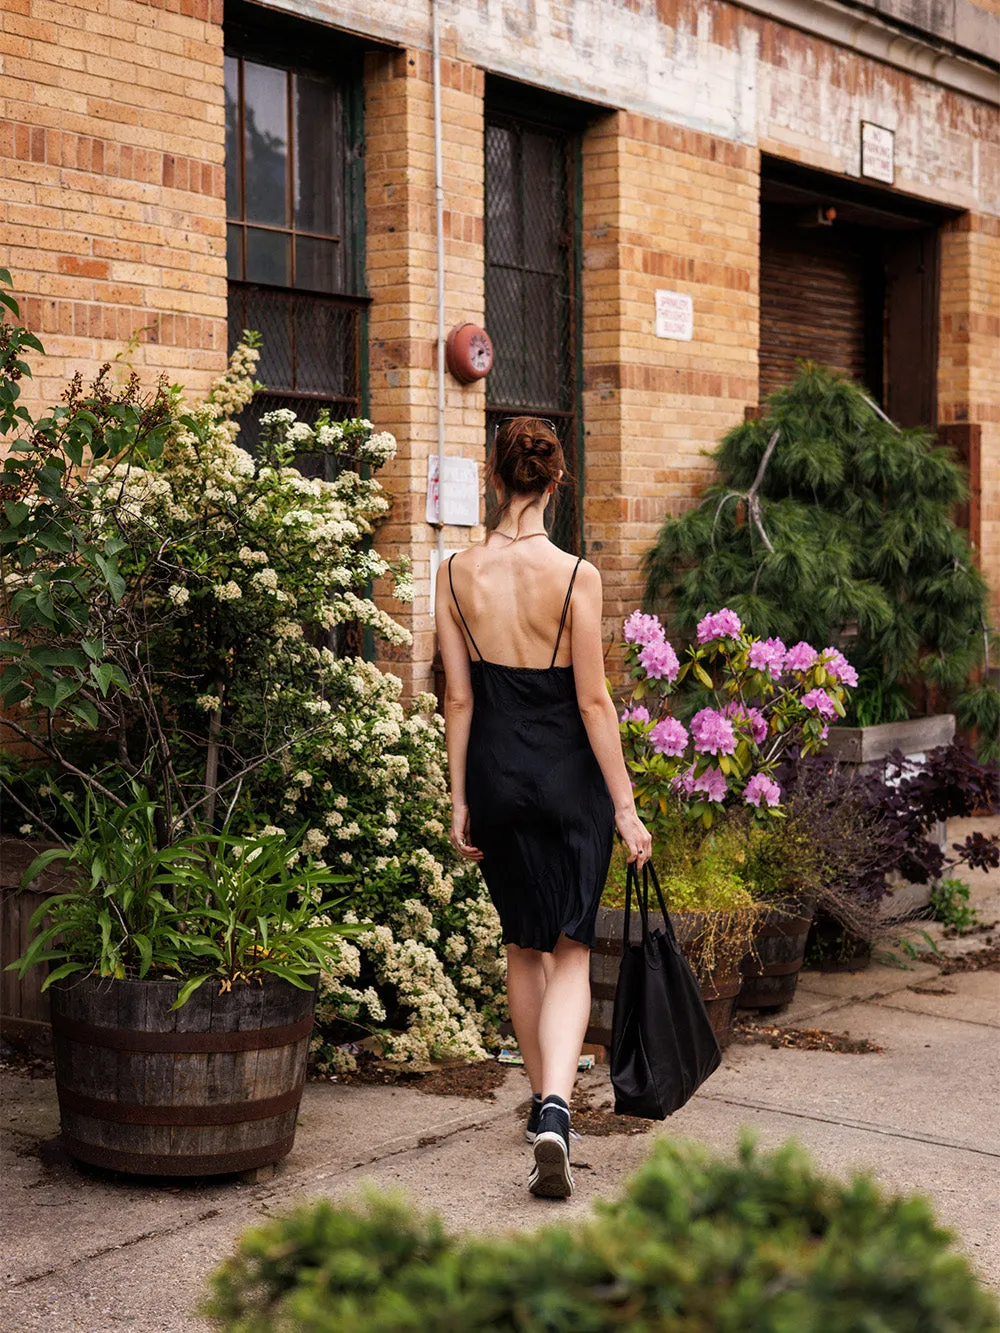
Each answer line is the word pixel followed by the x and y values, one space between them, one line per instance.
pixel 457 710
pixel 598 710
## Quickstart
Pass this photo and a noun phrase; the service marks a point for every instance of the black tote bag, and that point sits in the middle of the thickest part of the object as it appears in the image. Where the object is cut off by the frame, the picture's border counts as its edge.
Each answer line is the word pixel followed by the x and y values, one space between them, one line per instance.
pixel 662 1044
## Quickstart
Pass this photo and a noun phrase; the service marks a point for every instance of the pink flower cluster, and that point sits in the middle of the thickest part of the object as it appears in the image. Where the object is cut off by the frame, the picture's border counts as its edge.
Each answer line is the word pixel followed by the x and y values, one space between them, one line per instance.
pixel 713 733
pixel 762 788
pixel 636 714
pixel 669 737
pixel 643 629
pixel 801 657
pixel 768 655
pixel 712 783
pixel 820 702
pixel 659 661
pixel 839 667
pixel 747 719
pixel 724 624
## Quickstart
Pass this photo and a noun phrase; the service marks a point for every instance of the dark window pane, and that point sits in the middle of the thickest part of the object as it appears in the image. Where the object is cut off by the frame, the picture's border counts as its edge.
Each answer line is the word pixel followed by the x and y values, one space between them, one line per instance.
pixel 266 113
pixel 544 199
pixel 502 209
pixel 505 319
pixel 272 319
pixel 325 348
pixel 267 257
pixel 542 343
pixel 318 265
pixel 234 195
pixel 234 252
pixel 319 154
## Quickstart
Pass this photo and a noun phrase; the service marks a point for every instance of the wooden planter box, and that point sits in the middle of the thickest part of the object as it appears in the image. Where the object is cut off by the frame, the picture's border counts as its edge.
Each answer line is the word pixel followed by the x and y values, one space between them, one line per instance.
pixel 870 747
pixel 207 1089
pixel 25 1019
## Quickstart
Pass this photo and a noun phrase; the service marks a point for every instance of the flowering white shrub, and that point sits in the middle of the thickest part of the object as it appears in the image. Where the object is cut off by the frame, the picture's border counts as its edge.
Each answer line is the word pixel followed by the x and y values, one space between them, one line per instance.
pixel 226 589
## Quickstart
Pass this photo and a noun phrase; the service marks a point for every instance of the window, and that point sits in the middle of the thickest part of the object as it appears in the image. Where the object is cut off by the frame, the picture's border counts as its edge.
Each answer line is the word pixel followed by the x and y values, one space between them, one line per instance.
pixel 294 254
pixel 531 287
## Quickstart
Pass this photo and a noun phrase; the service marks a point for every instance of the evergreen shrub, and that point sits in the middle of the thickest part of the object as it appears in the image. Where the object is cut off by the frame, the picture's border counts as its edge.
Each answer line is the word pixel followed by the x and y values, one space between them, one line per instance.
pixel 825 522
pixel 697 1244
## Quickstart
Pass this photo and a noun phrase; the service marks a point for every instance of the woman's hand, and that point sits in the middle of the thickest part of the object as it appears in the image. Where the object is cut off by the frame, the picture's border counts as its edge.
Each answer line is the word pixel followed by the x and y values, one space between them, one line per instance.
pixel 634 835
pixel 460 834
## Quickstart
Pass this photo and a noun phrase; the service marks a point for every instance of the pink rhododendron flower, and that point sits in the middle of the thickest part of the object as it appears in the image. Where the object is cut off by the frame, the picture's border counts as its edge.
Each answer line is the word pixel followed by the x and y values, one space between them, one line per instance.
pixel 801 657
pixel 713 783
pixel 768 655
pixel 636 714
pixel 839 667
pixel 713 733
pixel 640 628
pixel 659 661
pixel 747 719
pixel 669 737
pixel 761 788
pixel 684 781
pixel 820 702
pixel 724 624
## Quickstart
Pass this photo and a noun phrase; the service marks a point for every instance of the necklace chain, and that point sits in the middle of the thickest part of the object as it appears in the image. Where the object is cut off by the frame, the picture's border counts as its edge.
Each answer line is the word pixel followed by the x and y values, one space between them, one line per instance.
pixel 523 536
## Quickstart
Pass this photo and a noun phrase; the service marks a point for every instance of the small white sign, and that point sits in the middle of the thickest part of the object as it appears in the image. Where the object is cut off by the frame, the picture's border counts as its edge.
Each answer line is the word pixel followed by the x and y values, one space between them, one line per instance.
pixel 877 153
pixel 461 492
pixel 435 566
pixel 674 316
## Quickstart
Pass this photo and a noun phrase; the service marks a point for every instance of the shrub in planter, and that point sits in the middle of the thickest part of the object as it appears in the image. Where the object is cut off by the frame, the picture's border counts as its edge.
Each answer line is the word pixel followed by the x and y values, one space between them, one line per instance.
pixel 187 616
pixel 707 790
pixel 828 523
pixel 697 1242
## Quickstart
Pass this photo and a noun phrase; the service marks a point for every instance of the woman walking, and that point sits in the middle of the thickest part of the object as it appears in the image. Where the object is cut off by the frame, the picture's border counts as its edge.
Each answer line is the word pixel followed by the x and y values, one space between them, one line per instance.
pixel 538 781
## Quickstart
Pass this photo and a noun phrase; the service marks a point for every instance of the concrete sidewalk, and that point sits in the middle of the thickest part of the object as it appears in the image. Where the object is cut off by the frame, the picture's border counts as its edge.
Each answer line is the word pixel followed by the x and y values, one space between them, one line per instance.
pixel 86 1252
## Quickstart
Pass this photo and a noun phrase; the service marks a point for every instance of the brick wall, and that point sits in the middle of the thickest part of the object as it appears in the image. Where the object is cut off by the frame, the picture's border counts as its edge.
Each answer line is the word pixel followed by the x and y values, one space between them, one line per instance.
pixel 969 360
pixel 402 278
pixel 112 212
pixel 675 209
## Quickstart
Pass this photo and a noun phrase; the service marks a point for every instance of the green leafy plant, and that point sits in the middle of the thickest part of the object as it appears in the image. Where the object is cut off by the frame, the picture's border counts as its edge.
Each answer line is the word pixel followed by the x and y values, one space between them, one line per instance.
pixel 950 905
pixel 827 523
pixel 209 907
pixel 760 1244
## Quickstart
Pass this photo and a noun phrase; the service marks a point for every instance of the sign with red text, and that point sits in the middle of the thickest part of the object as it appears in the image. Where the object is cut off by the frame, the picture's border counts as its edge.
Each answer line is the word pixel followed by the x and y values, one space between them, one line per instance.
pixel 674 316
pixel 877 155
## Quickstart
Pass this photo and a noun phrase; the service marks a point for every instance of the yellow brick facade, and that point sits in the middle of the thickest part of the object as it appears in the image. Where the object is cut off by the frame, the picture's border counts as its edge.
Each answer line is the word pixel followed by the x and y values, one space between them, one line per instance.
pixel 112 219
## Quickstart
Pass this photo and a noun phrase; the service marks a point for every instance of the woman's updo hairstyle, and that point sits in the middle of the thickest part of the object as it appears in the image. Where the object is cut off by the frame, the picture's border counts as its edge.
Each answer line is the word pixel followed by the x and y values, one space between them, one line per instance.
pixel 526 459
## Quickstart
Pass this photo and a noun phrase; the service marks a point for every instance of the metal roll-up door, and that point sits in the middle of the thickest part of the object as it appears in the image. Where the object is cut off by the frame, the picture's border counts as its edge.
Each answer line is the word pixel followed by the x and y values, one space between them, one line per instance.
pixel 815 294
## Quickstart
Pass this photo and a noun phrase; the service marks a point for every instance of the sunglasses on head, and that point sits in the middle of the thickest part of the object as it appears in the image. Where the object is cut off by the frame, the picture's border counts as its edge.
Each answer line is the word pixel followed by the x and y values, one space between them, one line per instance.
pixel 531 416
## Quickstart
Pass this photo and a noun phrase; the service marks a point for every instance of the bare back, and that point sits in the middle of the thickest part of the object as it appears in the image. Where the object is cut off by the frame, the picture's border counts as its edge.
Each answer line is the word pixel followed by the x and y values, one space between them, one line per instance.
pixel 512 596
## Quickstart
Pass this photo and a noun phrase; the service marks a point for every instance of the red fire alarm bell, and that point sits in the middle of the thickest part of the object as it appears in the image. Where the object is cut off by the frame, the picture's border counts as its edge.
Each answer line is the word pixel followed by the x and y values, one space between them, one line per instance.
pixel 468 353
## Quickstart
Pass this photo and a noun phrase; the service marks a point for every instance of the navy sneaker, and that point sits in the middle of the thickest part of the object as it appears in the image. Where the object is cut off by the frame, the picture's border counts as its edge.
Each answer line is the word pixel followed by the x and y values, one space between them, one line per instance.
pixel 551 1177
pixel 534 1116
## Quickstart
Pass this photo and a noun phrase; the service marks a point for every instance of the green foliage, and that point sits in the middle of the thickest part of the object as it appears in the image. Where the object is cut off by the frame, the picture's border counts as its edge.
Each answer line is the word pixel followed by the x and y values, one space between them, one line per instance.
pixel 862 551
pixel 950 905
pixel 209 907
pixel 698 1244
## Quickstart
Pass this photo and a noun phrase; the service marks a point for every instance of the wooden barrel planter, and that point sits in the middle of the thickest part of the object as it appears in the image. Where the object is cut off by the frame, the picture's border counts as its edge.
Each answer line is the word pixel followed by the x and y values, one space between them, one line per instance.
pixel 771 971
pixel 719 993
pixel 24 1008
pixel 211 1088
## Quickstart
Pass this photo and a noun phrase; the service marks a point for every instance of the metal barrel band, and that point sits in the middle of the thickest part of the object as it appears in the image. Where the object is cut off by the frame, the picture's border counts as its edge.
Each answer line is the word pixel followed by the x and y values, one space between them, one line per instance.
pixel 180 1043
pixel 165 1164
pixel 224 1113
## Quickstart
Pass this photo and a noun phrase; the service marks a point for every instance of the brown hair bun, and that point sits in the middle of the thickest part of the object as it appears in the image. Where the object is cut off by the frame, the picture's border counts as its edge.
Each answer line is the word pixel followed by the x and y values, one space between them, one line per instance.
pixel 526 459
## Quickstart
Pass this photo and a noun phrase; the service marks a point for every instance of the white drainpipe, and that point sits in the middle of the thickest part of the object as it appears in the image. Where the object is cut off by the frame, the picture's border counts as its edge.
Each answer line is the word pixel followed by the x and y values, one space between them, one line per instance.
pixel 439 219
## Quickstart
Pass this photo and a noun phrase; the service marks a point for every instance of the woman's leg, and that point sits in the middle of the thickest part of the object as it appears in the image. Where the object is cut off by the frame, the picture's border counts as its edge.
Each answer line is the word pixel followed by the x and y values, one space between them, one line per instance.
pixel 526 981
pixel 563 1017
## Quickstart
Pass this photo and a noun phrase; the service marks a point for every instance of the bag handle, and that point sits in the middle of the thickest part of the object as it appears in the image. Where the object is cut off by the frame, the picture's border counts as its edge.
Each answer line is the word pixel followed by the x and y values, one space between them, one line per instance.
pixel 642 902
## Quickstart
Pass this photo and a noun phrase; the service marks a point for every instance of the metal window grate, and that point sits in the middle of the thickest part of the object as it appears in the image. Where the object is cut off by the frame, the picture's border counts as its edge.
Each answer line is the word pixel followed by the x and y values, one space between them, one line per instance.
pixel 530 288
pixel 310 358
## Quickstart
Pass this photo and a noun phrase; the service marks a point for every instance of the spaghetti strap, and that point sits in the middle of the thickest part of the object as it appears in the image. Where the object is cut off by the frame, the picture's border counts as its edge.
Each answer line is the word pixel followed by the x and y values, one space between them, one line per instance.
pixel 468 631
pixel 565 610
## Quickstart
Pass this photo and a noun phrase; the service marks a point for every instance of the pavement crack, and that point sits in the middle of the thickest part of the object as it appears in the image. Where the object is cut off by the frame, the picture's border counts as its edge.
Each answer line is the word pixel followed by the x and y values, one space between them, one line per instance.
pixel 863 1125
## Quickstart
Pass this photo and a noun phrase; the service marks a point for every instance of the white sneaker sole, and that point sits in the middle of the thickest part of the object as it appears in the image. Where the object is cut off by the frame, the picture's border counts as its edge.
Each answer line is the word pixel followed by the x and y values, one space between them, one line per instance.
pixel 530 1135
pixel 550 1177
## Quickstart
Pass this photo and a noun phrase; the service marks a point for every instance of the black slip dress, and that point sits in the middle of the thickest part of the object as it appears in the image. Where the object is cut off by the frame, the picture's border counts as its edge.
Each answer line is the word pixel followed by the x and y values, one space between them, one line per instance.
pixel 539 808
